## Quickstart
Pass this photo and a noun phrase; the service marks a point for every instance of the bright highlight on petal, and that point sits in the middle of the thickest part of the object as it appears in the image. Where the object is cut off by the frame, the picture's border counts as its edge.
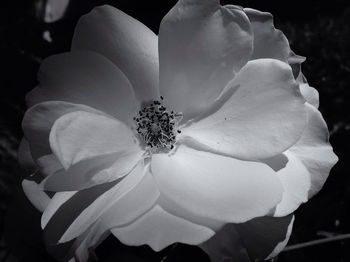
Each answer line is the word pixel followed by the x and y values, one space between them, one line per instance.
pixel 217 187
pixel 264 116
pixel 81 135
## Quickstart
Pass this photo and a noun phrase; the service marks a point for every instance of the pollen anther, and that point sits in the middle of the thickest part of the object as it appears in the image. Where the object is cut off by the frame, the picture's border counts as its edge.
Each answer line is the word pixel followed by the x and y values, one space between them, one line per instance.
pixel 157 126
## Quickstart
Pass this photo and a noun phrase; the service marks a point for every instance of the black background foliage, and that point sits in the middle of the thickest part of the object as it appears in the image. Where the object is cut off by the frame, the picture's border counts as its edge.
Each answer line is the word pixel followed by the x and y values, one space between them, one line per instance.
pixel 318 30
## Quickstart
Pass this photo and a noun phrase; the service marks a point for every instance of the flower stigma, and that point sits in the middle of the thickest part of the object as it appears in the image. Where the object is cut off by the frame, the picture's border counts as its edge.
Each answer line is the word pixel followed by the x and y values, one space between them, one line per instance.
pixel 158 126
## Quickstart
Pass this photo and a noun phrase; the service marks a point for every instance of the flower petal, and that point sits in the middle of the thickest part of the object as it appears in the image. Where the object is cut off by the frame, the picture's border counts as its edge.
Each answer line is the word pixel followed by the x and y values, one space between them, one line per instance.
pixel 269 42
pixel 25 158
pixel 201 45
pixel 85 77
pixel 253 240
pixel 35 194
pixel 74 216
pixel 126 42
pixel 314 151
pixel 91 172
pixel 217 187
pixel 310 94
pixel 159 229
pixel 82 135
pixel 39 119
pixel 281 245
pixel 132 205
pixel 296 183
pixel 264 116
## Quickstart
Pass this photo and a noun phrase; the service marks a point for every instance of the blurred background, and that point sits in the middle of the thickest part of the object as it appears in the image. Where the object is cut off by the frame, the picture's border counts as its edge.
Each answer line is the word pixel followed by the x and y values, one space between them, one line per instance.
pixel 318 30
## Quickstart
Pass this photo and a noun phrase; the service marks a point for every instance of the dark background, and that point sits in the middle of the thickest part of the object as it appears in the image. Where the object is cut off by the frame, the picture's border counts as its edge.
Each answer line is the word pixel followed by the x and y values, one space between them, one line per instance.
pixel 318 30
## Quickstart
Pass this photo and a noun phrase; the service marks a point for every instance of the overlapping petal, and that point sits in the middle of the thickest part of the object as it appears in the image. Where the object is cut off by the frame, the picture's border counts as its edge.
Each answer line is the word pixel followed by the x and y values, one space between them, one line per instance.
pixel 305 166
pixel 263 116
pixel 159 229
pixel 217 187
pixel 129 44
pixel 81 135
pixel 315 151
pixel 39 119
pixel 85 77
pixel 310 94
pixel 257 239
pixel 35 194
pixel 201 46
pixel 127 209
pixel 296 183
pixel 269 42
pixel 70 215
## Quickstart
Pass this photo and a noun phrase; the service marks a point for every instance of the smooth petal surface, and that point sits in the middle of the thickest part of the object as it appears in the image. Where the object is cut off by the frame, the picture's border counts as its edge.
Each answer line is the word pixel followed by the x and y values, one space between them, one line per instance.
pixel 201 46
pixel 88 78
pixel 314 150
pixel 296 182
pixel 39 119
pixel 25 158
pixel 253 240
pixel 35 194
pixel 126 42
pixel 269 42
pixel 82 135
pixel 159 229
pixel 263 117
pixel 217 187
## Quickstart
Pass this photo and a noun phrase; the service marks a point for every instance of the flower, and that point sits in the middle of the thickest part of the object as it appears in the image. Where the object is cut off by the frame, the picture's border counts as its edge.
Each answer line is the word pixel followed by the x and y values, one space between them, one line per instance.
pixel 210 136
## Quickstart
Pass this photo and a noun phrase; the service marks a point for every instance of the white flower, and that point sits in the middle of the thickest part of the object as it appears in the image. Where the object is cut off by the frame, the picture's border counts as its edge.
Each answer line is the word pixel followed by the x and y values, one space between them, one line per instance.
pixel 240 139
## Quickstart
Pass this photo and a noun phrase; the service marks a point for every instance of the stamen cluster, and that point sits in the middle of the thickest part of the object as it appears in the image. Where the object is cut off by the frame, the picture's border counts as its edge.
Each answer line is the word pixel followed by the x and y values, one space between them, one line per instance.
pixel 157 126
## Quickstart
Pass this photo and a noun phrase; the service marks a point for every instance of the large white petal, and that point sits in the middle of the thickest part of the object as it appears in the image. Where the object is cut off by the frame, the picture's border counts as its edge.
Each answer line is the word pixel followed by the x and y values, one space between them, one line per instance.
pixel 304 167
pixel 126 42
pixel 39 119
pixel 82 135
pixel 201 46
pixel 264 116
pixel 315 151
pixel 85 77
pixel 217 187
pixel 159 229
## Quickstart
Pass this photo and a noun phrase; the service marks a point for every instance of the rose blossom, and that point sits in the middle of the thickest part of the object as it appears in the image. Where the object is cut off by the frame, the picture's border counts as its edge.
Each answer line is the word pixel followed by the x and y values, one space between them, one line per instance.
pixel 210 136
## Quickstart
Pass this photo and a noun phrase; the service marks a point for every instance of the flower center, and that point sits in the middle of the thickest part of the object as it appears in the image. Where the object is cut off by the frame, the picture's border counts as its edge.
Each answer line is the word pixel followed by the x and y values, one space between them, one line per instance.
pixel 157 126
